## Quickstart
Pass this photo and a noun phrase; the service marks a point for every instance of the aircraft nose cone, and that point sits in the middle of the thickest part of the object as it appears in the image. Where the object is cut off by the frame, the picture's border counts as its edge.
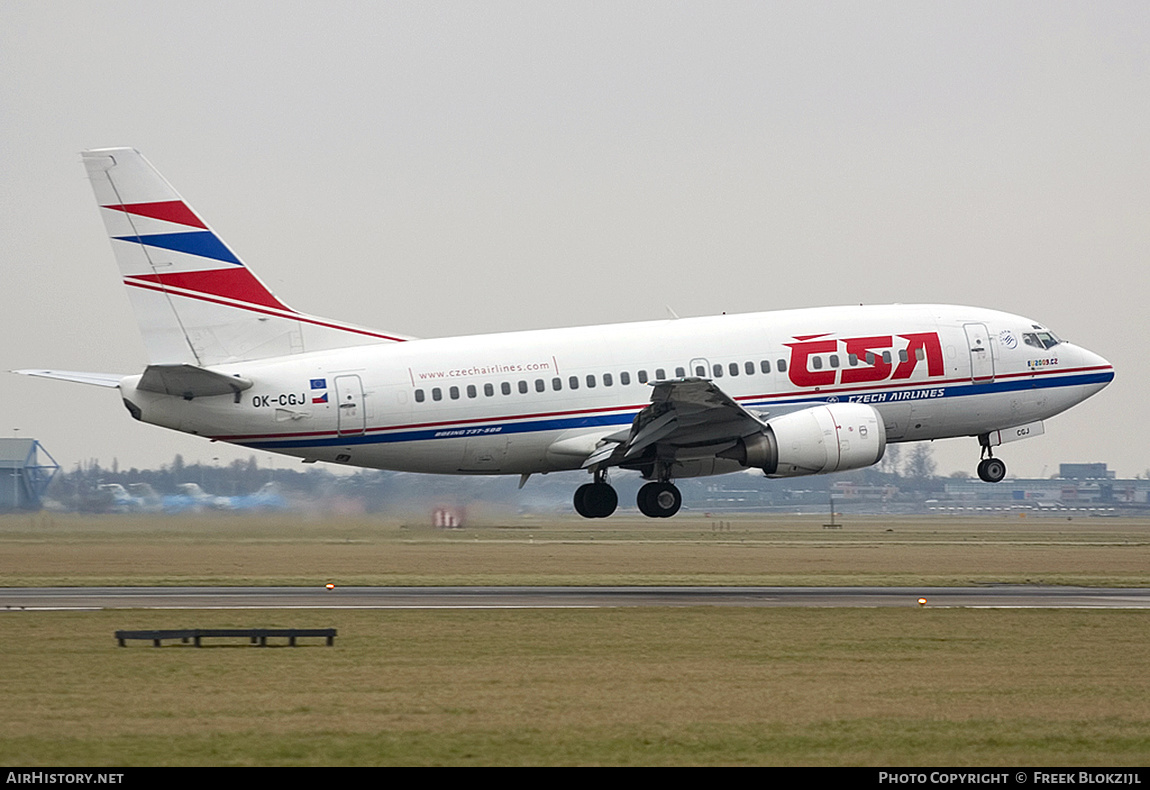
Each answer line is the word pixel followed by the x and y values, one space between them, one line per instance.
pixel 1097 363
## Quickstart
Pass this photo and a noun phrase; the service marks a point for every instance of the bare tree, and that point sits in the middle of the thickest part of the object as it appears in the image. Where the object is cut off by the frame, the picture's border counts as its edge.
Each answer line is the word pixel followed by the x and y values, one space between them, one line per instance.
pixel 892 459
pixel 921 462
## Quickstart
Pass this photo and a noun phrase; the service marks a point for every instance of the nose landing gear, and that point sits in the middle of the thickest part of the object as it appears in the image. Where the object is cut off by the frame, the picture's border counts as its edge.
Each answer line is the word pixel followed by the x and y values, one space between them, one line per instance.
pixel 990 469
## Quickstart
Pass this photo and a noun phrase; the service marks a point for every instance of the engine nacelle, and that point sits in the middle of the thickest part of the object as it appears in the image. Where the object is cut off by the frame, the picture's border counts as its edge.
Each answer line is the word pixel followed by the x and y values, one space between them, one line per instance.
pixel 826 438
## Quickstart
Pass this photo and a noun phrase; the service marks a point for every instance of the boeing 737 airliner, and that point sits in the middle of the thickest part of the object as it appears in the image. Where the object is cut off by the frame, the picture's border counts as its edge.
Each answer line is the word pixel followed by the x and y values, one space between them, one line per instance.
pixel 794 392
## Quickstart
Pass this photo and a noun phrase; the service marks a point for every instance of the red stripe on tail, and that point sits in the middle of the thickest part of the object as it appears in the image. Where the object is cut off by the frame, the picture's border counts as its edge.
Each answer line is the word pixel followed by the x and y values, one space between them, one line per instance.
pixel 232 283
pixel 168 210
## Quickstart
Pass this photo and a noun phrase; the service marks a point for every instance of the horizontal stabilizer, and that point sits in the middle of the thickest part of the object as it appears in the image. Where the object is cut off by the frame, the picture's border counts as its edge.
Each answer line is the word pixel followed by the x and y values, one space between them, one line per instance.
pixel 189 382
pixel 99 379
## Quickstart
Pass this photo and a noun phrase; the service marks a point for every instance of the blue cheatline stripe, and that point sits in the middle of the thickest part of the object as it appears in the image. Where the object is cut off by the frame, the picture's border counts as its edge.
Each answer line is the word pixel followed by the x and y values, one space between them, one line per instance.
pixel 625 418
pixel 1039 383
pixel 203 243
pixel 424 434
pixel 951 390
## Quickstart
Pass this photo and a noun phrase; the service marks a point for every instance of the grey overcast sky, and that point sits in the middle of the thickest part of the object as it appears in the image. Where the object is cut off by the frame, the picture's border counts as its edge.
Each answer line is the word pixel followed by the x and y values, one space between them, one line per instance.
pixel 453 168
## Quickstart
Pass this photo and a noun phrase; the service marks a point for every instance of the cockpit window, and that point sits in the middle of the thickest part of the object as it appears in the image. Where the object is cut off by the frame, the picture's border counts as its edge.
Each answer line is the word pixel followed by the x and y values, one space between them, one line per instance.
pixel 1043 340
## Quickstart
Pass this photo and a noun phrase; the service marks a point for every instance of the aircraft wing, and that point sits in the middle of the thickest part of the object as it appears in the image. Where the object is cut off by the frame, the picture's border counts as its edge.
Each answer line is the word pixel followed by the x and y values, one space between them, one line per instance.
pixel 99 379
pixel 689 417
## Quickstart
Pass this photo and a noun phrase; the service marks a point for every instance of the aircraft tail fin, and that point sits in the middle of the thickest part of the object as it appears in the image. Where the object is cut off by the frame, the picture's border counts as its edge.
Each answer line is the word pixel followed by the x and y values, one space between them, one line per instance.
pixel 195 300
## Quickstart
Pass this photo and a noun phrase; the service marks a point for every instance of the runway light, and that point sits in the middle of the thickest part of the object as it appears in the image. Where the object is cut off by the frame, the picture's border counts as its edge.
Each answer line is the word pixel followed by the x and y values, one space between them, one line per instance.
pixel 330 586
pixel 921 601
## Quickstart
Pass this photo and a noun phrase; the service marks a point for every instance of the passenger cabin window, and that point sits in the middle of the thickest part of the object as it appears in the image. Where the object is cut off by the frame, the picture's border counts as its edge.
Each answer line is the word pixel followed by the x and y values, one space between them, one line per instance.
pixel 556 384
pixel 505 388
pixel 717 369
pixel 749 367
pixel 454 393
pixel 781 365
pixel 660 375
pixel 471 391
pixel 436 393
pixel 734 368
pixel 573 382
pixel 488 390
pixel 624 378
pixel 540 385
pixel 607 380
pixel 680 373
pixel 522 387
pixel 642 377
pixel 419 396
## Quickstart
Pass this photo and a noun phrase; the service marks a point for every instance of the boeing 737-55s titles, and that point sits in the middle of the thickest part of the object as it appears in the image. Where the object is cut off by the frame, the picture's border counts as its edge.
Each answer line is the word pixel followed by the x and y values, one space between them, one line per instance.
pixel 794 392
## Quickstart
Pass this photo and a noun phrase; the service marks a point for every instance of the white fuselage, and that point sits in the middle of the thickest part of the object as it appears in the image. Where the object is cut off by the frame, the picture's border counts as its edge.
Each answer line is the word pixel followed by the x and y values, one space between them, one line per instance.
pixel 538 401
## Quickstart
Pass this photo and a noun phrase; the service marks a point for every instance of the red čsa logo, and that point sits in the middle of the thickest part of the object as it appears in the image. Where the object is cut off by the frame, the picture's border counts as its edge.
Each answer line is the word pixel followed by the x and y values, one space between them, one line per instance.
pixel 874 365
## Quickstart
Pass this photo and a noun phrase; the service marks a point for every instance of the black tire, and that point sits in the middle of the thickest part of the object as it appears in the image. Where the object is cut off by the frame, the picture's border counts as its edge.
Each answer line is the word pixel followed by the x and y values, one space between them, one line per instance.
pixel 641 500
pixel 595 500
pixel 992 470
pixel 580 500
pixel 659 500
pixel 601 500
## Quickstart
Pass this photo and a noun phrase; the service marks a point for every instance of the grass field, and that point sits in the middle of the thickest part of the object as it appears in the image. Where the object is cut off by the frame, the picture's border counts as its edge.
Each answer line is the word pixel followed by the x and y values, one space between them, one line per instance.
pixel 643 686
pixel 621 687
pixel 293 550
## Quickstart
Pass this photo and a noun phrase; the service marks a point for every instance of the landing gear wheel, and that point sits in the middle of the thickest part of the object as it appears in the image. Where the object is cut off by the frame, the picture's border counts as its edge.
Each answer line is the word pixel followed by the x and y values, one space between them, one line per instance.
pixel 659 500
pixel 595 500
pixel 991 470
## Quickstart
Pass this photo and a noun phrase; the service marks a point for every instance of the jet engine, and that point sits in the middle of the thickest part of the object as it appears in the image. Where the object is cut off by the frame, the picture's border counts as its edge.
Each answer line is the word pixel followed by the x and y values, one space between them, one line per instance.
pixel 830 437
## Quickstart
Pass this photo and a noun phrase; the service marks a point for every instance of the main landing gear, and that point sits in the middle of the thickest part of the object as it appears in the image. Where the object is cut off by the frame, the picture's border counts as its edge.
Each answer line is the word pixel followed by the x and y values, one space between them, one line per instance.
pixel 990 469
pixel 659 500
pixel 599 500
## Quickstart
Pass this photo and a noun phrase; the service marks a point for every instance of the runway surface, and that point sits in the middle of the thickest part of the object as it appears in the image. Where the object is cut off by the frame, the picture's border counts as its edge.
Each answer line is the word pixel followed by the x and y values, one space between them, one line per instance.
pixel 1006 596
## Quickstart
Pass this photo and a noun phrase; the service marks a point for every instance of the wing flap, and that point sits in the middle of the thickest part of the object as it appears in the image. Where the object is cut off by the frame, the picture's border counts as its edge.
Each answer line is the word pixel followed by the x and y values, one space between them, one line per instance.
pixel 688 418
pixel 602 455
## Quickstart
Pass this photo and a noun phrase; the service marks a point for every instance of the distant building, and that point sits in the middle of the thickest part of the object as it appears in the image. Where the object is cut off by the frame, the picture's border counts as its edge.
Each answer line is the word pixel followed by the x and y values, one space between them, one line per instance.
pixel 23 476
pixel 1090 487
pixel 848 491
pixel 1084 472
